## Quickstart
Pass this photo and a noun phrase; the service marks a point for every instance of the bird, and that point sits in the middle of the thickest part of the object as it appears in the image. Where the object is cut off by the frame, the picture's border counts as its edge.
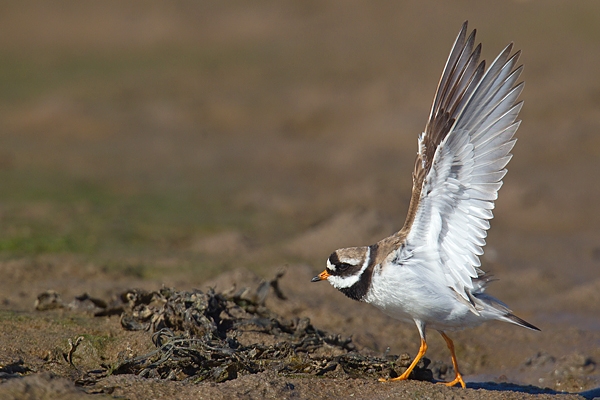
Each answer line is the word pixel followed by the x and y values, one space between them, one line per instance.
pixel 429 272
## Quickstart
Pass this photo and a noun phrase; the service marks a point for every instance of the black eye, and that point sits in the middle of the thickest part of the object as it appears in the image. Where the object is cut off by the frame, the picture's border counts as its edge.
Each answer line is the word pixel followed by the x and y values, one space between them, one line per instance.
pixel 343 266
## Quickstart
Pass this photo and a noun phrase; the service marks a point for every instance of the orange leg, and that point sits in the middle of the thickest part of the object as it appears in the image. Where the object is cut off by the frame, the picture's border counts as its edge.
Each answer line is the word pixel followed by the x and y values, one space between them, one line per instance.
pixel 458 378
pixel 412 366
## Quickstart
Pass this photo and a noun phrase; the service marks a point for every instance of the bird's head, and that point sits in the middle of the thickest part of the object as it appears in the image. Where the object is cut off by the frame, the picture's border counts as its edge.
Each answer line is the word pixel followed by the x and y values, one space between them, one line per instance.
pixel 345 270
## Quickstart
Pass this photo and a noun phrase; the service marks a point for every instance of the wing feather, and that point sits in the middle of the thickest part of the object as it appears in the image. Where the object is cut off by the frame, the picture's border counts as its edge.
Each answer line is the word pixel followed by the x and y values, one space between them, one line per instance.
pixel 461 162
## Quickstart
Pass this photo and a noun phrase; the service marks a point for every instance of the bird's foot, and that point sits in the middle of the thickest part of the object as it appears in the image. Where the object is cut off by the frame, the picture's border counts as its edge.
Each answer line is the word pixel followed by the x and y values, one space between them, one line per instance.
pixel 456 380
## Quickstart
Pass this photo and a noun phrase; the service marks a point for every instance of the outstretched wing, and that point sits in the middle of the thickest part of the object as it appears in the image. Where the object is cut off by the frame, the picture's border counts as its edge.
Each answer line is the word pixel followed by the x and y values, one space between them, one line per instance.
pixel 461 162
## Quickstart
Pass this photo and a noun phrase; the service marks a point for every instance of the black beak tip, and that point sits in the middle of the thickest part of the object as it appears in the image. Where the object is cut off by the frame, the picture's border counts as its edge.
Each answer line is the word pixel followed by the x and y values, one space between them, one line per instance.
pixel 316 279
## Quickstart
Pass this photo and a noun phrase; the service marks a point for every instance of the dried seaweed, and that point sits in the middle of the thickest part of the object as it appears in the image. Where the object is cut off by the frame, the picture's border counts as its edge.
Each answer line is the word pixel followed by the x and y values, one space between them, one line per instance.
pixel 219 336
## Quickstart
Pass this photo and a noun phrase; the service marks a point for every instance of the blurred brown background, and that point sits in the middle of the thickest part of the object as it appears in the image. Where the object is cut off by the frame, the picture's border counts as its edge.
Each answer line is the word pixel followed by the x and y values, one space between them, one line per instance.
pixel 166 142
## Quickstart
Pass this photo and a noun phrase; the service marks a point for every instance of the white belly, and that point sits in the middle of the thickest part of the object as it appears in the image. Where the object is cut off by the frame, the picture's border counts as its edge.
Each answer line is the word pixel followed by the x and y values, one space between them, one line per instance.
pixel 406 295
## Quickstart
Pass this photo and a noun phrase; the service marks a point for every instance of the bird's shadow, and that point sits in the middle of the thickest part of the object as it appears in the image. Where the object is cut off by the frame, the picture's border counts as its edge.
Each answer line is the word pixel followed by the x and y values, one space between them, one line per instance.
pixel 513 387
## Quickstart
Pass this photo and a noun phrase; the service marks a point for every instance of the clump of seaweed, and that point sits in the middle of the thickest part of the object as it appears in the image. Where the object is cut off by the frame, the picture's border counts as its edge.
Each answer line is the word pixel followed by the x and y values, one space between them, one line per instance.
pixel 219 336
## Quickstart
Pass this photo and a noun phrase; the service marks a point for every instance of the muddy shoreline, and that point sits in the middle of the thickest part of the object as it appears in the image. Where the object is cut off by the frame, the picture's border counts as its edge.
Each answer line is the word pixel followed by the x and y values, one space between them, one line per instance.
pixel 266 355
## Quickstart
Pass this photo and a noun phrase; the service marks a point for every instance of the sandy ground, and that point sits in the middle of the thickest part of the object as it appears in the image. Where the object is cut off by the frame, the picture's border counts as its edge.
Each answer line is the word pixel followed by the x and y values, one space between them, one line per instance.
pixel 195 145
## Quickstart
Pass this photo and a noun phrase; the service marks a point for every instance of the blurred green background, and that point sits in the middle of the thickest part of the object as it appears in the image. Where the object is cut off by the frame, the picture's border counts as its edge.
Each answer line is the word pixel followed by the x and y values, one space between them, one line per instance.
pixel 186 138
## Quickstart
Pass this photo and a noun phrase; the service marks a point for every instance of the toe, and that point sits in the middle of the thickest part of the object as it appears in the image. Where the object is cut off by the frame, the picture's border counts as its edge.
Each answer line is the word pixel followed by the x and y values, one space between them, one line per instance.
pixel 456 380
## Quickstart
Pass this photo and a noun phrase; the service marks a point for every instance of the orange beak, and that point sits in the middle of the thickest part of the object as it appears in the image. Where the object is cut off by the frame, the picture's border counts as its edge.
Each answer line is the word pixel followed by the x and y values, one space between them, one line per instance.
pixel 321 277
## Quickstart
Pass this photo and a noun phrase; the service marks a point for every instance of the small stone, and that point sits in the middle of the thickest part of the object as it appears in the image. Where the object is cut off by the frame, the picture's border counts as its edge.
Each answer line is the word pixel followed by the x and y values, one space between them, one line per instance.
pixel 403 361
pixel 49 300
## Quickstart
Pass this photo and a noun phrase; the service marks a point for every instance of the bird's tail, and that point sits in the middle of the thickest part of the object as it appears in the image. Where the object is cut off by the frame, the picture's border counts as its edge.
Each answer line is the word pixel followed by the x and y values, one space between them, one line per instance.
pixel 510 317
pixel 499 310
